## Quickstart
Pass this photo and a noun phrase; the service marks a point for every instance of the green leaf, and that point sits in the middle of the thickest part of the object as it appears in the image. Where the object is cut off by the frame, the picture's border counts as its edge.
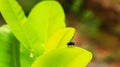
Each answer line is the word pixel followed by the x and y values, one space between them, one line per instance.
pixel 64 57
pixel 60 39
pixel 15 18
pixel 7 45
pixel 9 48
pixel 25 59
pixel 46 18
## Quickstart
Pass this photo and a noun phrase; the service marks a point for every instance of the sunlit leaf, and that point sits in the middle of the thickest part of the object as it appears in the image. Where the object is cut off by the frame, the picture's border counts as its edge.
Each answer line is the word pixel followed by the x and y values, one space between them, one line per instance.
pixel 64 57
pixel 9 49
pixel 15 18
pixel 46 18
pixel 60 39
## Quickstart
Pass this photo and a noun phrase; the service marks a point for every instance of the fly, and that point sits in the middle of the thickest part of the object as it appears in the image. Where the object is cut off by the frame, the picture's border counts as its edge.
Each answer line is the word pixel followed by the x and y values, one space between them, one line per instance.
pixel 71 44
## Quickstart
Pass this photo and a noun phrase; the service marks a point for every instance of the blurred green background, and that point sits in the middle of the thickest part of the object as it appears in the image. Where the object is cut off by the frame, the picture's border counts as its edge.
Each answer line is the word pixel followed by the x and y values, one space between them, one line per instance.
pixel 97 24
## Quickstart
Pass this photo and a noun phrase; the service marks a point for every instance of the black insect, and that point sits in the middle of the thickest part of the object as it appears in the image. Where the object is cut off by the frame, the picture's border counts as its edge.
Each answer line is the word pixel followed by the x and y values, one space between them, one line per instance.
pixel 71 44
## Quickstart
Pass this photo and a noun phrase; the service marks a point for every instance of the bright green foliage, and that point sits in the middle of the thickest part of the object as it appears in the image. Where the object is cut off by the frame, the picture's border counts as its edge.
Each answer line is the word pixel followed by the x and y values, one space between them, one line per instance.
pixel 9 48
pixel 46 18
pixel 42 32
pixel 57 54
pixel 15 18
pixel 60 39
pixel 64 57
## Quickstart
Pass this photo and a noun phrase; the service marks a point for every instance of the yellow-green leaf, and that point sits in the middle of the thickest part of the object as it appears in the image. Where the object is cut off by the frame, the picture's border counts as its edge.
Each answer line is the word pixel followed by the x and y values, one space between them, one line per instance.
pixel 44 20
pixel 64 57
pixel 15 18
pixel 60 39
